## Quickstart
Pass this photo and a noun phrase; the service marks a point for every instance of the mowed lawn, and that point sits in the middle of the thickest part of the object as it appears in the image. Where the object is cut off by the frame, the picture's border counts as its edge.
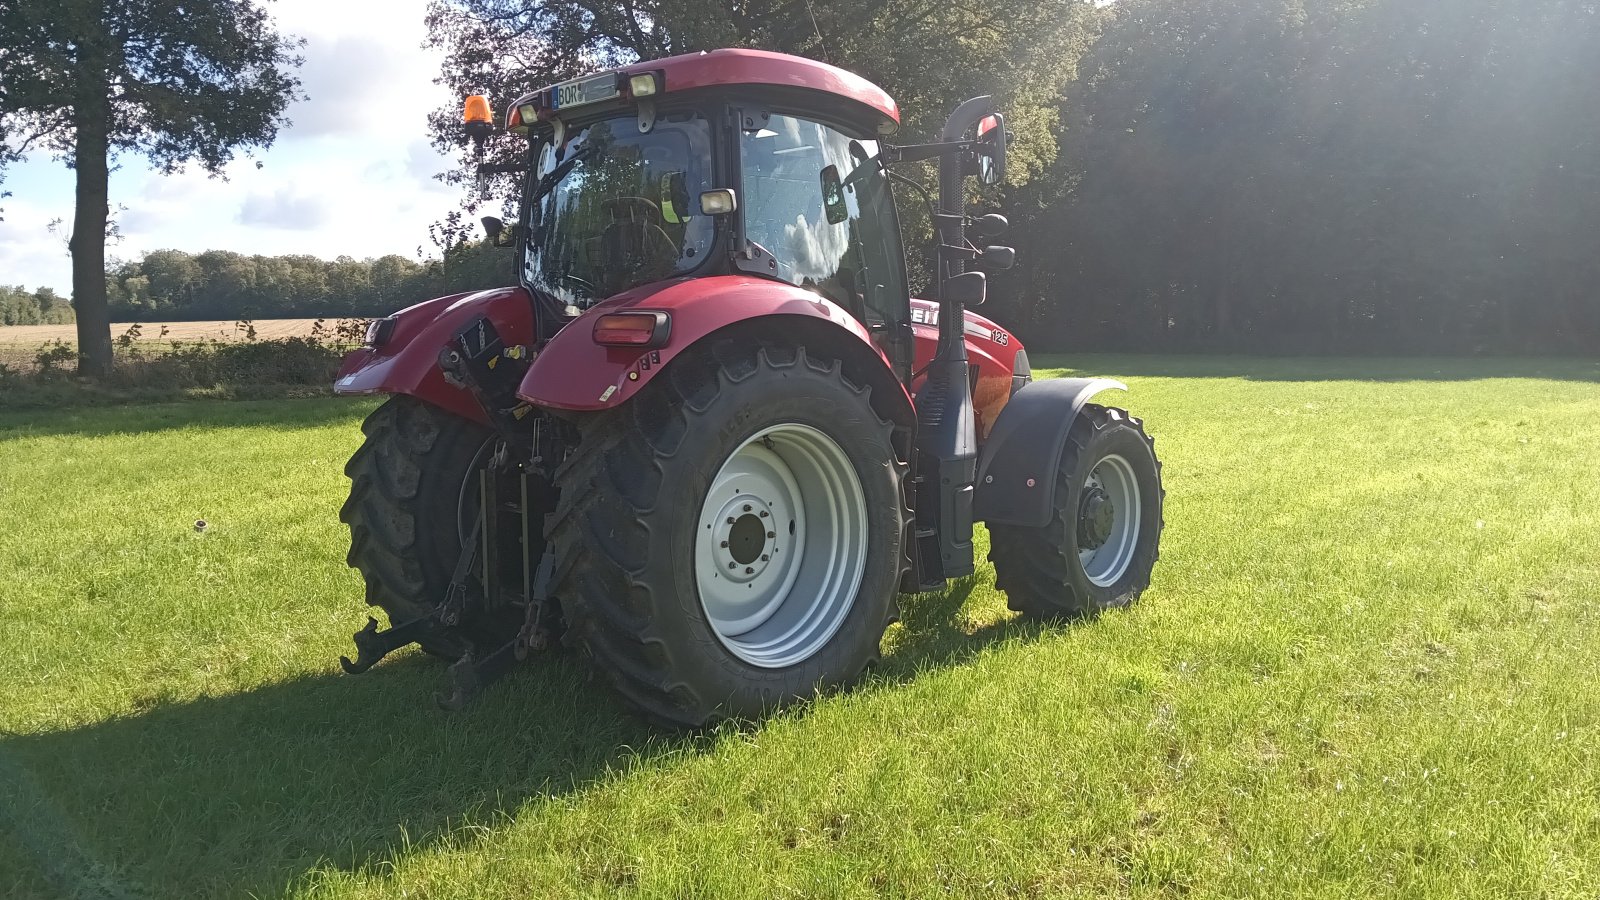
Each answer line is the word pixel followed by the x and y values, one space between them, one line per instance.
pixel 1369 666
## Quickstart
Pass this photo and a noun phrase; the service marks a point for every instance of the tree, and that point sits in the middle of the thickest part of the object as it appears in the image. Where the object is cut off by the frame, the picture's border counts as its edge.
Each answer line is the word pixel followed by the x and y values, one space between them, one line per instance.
pixel 1350 176
pixel 176 81
pixel 42 307
pixel 928 54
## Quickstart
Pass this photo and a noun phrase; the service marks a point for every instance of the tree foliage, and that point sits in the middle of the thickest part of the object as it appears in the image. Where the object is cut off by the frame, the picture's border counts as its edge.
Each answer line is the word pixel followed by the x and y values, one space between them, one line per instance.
pixel 929 54
pixel 1366 175
pixel 19 306
pixel 176 81
pixel 171 285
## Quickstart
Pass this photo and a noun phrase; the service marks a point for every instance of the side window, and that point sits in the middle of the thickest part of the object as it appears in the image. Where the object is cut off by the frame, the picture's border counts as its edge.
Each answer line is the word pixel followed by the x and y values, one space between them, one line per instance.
pixel 818 202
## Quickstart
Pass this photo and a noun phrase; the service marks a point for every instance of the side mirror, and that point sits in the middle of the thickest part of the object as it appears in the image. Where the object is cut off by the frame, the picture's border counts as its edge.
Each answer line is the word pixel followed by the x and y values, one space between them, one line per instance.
pixel 991 225
pixel 833 205
pixel 497 232
pixel 968 289
pixel 998 257
pixel 992 149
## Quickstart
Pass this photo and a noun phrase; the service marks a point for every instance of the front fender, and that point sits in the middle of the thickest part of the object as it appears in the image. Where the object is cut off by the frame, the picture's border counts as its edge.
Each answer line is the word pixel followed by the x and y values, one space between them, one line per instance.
pixel 408 362
pixel 572 372
pixel 1017 470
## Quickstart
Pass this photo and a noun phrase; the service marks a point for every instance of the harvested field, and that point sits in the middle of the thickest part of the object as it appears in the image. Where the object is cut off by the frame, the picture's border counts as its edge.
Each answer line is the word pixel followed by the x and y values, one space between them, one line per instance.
pixel 20 345
pixel 222 330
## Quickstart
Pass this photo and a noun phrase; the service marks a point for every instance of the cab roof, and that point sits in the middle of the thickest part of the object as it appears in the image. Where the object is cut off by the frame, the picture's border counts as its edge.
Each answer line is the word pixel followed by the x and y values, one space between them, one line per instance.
pixel 852 96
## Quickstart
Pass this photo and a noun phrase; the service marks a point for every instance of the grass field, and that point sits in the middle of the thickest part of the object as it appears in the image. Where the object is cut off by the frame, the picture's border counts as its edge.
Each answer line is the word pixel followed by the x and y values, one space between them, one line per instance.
pixel 1368 667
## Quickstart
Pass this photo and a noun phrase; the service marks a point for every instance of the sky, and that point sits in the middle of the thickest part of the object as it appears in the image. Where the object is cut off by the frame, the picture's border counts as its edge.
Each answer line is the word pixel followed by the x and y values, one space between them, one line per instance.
pixel 352 175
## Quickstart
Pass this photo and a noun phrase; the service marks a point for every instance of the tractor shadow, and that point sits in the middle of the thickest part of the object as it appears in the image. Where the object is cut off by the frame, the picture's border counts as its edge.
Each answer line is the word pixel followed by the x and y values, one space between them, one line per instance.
pixel 246 794
pixel 934 633
pixel 250 793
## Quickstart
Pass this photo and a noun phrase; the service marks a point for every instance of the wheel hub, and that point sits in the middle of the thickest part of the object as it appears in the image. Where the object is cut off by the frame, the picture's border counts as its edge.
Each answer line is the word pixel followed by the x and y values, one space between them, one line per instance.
pixel 1096 516
pixel 745 537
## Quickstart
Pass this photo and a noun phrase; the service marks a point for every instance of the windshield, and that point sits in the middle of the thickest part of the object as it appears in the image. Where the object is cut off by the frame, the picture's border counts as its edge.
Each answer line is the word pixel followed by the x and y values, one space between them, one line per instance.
pixel 612 208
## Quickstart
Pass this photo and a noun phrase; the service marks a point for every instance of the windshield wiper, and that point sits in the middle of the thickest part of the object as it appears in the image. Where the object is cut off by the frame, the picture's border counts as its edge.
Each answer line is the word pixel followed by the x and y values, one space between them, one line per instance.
pixel 561 171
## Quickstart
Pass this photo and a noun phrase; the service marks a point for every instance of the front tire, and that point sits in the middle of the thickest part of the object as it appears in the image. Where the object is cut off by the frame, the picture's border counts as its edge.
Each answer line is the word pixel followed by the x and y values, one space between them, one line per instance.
pixel 1101 544
pixel 730 540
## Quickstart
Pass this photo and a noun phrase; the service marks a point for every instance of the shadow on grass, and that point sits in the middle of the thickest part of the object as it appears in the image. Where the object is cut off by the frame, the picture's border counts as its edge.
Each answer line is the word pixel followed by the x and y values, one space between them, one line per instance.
pixel 247 793
pixel 934 633
pixel 155 417
pixel 1314 368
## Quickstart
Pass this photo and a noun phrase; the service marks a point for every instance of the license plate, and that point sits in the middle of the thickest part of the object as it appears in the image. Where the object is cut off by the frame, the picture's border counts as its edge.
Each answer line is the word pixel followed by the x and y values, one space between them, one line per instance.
pixel 584 90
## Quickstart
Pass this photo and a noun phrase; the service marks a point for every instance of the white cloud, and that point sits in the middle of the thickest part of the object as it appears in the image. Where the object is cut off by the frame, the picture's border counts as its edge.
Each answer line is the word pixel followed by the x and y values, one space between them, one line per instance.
pixel 355 84
pixel 424 162
pixel 352 175
pixel 30 255
pixel 284 208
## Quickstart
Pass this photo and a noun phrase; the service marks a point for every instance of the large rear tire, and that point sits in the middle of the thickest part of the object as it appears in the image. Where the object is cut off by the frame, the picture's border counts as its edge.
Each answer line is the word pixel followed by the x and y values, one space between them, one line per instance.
pixel 413 499
pixel 1104 536
pixel 731 539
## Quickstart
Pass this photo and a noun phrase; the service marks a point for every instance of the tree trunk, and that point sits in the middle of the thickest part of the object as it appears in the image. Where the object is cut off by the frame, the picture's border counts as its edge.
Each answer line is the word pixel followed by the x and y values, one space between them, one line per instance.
pixel 91 114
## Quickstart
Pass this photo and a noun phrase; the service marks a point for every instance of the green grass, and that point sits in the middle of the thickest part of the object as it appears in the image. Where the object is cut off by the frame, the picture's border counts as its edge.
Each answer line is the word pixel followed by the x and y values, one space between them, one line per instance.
pixel 1367 667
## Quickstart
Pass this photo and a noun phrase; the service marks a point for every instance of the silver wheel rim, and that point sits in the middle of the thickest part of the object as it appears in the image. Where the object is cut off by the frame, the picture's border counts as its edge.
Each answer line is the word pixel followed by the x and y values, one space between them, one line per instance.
pixel 781 545
pixel 1105 564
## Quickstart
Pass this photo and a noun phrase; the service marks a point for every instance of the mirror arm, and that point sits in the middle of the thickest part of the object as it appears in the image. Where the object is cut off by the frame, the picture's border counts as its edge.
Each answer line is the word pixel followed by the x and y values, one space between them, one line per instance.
pixel 501 168
pixel 893 155
pixel 967 252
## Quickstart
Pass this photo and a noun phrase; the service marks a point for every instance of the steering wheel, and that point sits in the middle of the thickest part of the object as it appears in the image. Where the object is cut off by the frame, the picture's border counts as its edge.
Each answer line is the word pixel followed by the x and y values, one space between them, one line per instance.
pixel 589 286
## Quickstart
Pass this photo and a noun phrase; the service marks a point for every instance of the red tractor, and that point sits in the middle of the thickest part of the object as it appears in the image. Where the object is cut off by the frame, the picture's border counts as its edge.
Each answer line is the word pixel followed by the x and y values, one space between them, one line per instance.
pixel 710 435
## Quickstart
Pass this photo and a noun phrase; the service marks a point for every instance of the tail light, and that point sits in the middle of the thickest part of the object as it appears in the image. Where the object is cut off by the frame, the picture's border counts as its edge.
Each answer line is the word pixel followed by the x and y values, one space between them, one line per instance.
pixel 643 330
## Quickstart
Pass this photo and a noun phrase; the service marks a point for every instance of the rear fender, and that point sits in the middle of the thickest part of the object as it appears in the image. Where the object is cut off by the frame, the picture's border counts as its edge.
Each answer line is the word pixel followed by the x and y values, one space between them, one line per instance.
pixel 1016 473
pixel 408 362
pixel 572 372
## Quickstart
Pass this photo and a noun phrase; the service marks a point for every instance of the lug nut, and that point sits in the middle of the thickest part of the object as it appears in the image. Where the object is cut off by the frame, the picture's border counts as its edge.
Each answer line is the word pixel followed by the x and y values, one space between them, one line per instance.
pixel 748 507
pixel 730 520
pixel 724 545
pixel 772 534
pixel 765 557
pixel 732 565
pixel 763 514
pixel 748 570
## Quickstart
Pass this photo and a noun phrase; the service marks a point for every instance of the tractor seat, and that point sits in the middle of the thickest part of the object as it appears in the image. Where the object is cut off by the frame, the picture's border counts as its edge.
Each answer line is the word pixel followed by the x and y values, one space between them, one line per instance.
pixel 633 249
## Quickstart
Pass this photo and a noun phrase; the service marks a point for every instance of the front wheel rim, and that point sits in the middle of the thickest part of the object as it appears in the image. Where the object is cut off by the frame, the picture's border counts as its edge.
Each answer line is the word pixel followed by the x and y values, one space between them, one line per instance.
pixel 1116 540
pixel 781 546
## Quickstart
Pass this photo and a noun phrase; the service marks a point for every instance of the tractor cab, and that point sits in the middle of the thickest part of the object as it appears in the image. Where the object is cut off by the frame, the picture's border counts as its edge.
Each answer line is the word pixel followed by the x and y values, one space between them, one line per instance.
pixel 725 162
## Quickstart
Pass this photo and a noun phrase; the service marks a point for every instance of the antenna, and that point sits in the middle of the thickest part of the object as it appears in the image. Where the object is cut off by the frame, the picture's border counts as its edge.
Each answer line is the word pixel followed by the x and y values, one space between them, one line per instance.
pixel 818 29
